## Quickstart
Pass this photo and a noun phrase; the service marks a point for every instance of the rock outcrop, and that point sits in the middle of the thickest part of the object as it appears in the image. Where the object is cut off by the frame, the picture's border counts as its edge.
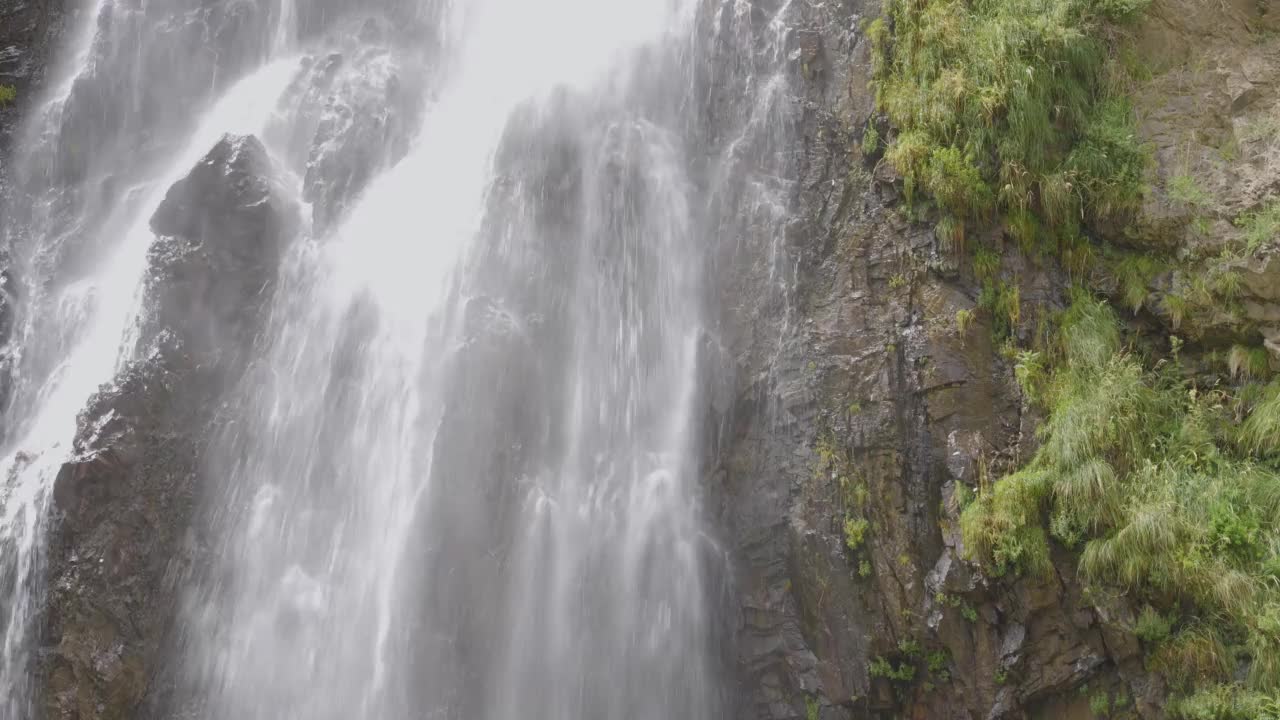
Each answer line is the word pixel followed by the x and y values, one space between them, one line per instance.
pixel 868 400
pixel 29 31
pixel 121 539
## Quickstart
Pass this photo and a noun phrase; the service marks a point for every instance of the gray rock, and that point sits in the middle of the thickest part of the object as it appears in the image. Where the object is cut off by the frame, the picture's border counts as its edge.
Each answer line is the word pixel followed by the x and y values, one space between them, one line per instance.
pixel 121 541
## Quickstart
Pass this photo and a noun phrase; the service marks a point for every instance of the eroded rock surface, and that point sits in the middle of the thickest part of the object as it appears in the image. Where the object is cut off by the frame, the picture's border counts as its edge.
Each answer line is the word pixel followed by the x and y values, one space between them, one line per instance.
pixel 122 542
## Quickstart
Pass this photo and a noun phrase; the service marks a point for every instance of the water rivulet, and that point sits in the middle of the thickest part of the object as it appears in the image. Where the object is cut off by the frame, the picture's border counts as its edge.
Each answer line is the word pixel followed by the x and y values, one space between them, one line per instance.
pixel 363 355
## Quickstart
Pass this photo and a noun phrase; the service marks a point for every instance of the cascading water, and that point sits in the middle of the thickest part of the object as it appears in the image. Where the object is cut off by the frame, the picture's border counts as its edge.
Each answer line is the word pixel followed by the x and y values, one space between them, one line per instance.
pixel 367 496
pixel 79 241
pixel 459 476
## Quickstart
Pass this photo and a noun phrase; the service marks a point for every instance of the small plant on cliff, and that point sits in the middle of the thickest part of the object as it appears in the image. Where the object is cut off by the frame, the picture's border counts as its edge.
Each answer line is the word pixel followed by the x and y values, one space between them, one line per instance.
pixel 1261 228
pixel 903 672
pixel 1186 191
pixel 7 94
pixel 1152 626
pixel 1244 362
pixel 964 318
pixel 855 532
pixel 1223 702
pixel 1100 705
pixel 870 141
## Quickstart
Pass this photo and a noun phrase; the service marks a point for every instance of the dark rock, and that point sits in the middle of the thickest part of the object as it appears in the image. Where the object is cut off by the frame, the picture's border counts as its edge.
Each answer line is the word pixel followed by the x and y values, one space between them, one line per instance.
pixel 863 357
pixel 121 540
pixel 29 30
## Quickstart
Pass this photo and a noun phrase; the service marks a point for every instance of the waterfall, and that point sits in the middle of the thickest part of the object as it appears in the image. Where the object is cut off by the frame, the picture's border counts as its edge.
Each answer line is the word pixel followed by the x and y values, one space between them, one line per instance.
pixel 460 473
pixel 79 240
pixel 444 325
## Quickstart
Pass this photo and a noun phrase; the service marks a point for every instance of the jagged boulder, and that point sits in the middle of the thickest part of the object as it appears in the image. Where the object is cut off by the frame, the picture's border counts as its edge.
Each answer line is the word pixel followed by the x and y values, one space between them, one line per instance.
pixel 220 234
pixel 350 113
pixel 121 537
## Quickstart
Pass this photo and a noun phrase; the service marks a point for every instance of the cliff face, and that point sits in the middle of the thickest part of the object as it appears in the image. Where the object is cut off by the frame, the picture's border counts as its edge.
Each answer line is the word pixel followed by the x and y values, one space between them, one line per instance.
pixel 871 408
pixel 865 405
pixel 29 33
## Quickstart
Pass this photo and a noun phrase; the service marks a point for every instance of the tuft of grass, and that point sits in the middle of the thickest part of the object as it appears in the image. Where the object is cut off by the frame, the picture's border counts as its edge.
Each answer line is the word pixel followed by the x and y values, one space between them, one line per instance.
pixel 1152 627
pixel 964 319
pixel 1248 362
pixel 1100 704
pixel 855 532
pixel 902 672
pixel 1186 191
pixel 1261 431
pixel 1261 228
pixel 1195 655
pixel 1176 307
pixel 8 94
pixel 870 140
pixel 1225 702
pixel 1134 274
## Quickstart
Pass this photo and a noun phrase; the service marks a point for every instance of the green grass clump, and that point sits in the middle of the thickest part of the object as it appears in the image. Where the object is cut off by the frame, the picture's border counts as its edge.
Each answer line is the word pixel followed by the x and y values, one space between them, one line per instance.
pixel 8 94
pixel 1225 702
pixel 1152 626
pixel 855 532
pixel 870 141
pixel 1002 109
pixel 903 672
pixel 1261 228
pixel 1134 274
pixel 1168 497
pixel 1185 190
pixel 1248 362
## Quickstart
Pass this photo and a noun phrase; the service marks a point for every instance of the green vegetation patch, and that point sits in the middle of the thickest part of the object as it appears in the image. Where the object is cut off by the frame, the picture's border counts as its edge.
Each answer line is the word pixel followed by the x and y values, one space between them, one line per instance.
pixel 1166 495
pixel 1002 110
pixel 1163 479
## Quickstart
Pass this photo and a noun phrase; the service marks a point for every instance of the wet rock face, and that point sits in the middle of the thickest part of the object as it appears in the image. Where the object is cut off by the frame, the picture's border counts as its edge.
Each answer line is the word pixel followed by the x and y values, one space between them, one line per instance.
pixel 121 539
pixel 859 398
pixel 134 92
pixel 220 233
pixel 29 30
pixel 358 118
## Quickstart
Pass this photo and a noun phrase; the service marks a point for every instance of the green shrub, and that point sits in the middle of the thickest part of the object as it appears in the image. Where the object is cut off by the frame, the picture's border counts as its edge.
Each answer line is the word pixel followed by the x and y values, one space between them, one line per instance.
pixel 1185 190
pixel 8 94
pixel 1261 228
pixel 1152 627
pixel 870 140
pixel 1001 105
pixel 1100 704
pixel 855 531
pixel 1226 702
pixel 902 672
